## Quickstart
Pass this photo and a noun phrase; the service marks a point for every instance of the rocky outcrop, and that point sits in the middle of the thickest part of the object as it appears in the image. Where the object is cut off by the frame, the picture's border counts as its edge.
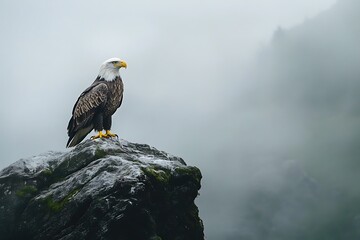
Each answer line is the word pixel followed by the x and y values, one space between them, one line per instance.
pixel 102 189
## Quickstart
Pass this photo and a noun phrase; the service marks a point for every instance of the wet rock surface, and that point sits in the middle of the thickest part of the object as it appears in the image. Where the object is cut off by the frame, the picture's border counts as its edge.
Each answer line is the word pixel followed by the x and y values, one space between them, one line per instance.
pixel 104 189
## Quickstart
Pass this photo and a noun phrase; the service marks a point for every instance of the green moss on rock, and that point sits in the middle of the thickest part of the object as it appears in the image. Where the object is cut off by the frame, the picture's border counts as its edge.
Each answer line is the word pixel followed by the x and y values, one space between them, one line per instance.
pixel 161 176
pixel 47 172
pixel 191 171
pixel 99 153
pixel 26 191
pixel 53 205
pixel 156 238
pixel 56 206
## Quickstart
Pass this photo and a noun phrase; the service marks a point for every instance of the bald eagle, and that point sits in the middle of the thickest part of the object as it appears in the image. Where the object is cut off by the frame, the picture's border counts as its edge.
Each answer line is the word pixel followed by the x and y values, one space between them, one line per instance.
pixel 96 105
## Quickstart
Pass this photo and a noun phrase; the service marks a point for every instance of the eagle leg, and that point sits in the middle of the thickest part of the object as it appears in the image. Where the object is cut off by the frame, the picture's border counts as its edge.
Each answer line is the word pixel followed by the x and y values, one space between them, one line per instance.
pixel 100 135
pixel 110 134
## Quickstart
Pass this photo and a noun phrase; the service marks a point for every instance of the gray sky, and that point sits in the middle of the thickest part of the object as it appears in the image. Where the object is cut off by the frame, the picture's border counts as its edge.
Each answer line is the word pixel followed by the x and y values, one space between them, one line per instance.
pixel 186 85
pixel 178 53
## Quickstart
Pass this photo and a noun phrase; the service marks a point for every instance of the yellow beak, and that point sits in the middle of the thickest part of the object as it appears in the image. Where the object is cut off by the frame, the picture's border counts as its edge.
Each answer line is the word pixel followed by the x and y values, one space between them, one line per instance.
pixel 121 64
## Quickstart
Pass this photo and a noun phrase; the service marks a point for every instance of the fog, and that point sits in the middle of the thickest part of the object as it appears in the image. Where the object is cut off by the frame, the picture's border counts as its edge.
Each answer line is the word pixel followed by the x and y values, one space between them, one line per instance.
pixel 297 135
pixel 260 95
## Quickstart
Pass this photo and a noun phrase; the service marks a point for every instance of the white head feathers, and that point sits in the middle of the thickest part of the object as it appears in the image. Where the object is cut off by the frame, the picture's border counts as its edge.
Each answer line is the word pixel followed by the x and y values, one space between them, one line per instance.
pixel 109 70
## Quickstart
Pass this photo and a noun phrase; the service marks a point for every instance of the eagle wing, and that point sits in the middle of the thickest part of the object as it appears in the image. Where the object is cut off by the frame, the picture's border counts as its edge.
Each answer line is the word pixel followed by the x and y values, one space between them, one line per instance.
pixel 83 112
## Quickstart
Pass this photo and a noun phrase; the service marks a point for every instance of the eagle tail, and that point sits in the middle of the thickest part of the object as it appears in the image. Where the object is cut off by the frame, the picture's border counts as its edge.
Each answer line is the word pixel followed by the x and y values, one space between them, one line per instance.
pixel 79 136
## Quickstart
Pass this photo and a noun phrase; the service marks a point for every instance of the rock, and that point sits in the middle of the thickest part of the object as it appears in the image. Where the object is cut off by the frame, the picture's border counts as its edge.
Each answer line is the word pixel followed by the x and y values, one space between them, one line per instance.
pixel 103 189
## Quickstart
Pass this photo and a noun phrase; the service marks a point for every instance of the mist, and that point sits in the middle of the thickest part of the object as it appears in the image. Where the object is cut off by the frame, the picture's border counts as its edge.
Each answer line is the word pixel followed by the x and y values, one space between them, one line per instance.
pixel 261 96
pixel 297 135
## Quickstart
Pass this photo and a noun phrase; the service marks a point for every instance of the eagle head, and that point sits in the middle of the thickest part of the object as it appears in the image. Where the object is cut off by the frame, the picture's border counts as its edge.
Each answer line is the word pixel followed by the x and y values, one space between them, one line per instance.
pixel 109 70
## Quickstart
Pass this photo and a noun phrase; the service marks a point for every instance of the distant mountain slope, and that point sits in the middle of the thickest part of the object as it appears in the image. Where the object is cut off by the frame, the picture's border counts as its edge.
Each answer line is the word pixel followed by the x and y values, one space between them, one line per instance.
pixel 304 106
pixel 308 79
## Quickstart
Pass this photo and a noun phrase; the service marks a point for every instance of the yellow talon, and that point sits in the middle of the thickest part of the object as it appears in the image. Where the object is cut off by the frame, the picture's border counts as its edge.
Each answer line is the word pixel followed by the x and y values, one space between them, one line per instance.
pixel 100 135
pixel 109 134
